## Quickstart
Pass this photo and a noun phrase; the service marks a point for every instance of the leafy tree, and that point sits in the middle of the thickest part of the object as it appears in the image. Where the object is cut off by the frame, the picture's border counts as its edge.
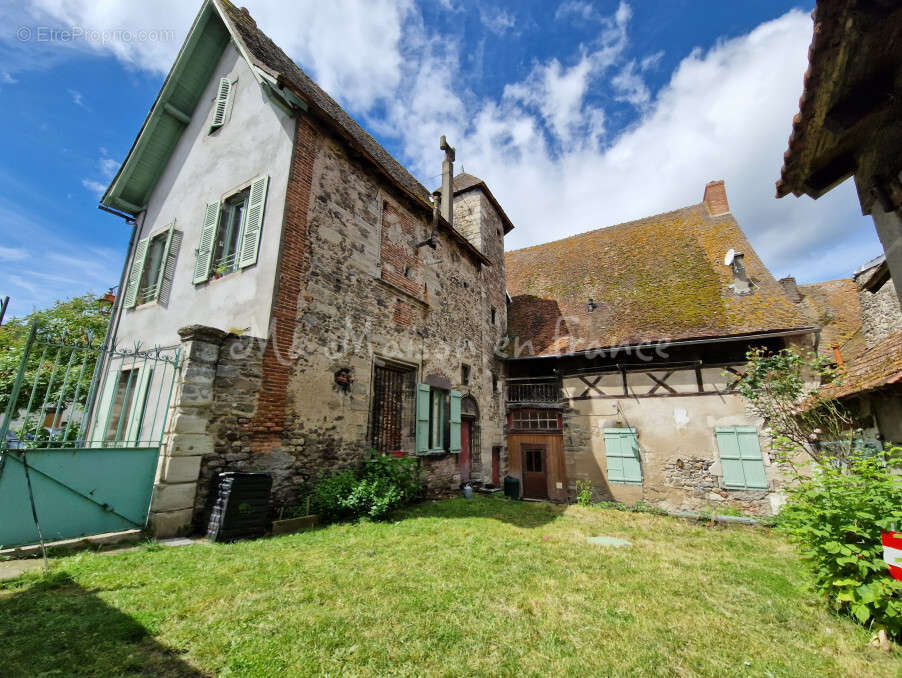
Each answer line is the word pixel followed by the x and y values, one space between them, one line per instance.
pixel 80 321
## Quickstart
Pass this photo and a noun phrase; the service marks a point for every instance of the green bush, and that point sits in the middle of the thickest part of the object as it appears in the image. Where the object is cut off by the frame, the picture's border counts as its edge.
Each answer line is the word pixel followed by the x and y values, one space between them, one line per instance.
pixel 836 517
pixel 583 492
pixel 374 489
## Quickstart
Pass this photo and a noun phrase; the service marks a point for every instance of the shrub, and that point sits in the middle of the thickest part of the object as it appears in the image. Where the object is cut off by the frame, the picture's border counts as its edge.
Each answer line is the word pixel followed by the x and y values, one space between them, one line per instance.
pixel 836 517
pixel 583 492
pixel 374 489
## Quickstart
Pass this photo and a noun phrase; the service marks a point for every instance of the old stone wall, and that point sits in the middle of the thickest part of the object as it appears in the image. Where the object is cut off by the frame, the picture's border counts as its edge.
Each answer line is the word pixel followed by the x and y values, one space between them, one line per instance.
pixel 880 313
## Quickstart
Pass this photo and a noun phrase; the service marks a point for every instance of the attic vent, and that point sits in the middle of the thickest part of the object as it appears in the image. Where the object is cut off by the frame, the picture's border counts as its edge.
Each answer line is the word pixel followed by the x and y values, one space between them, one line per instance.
pixel 591 306
pixel 222 102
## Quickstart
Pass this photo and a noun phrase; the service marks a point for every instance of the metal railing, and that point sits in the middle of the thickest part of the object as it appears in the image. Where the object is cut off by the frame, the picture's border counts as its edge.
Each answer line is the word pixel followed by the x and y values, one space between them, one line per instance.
pixel 75 394
pixel 533 391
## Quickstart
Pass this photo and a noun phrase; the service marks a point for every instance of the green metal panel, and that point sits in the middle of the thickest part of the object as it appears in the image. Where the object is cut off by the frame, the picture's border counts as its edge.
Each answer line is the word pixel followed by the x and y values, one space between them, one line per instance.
pixel 77 492
pixel 740 458
pixel 455 421
pixel 253 223
pixel 134 275
pixel 422 441
pixel 622 455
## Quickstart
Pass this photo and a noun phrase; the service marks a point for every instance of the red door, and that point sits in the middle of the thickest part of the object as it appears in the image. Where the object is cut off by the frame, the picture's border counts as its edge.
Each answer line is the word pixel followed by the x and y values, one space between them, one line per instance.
pixel 464 457
pixel 535 471
pixel 496 466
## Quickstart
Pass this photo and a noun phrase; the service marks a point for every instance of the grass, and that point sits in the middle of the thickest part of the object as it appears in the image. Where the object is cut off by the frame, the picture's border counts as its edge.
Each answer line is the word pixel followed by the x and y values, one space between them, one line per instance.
pixel 452 588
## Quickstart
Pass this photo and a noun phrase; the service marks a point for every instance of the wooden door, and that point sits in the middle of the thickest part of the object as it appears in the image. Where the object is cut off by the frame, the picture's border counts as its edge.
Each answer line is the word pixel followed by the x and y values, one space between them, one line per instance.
pixel 496 466
pixel 535 471
pixel 463 458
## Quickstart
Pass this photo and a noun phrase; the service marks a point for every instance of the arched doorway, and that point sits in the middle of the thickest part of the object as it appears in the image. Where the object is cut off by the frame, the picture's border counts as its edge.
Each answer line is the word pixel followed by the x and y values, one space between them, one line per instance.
pixel 469 457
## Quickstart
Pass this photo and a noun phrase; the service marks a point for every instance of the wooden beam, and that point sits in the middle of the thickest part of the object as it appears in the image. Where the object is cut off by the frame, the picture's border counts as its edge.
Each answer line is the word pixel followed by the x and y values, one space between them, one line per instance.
pixel 830 174
pixel 172 111
pixel 863 100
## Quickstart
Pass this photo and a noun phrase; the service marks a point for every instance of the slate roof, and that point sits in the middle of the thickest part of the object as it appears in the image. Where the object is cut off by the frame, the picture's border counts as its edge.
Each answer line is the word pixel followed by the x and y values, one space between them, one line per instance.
pixel 271 58
pixel 833 306
pixel 878 366
pixel 656 279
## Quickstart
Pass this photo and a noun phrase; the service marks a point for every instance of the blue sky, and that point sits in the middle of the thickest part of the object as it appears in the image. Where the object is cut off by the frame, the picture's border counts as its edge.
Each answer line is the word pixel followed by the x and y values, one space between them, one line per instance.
pixel 578 115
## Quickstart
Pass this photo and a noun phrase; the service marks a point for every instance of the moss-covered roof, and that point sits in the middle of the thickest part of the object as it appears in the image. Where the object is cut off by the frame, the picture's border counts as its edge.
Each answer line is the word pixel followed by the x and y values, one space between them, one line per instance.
pixel 833 306
pixel 878 366
pixel 656 279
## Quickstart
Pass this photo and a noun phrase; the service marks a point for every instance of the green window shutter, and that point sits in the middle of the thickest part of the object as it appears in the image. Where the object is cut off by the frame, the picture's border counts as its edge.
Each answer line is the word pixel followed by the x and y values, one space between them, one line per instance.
pixel 423 405
pixel 222 102
pixel 207 238
pixel 139 400
pixel 134 275
pixel 740 458
pixel 253 223
pixel 622 455
pixel 167 270
pixel 455 421
pixel 104 403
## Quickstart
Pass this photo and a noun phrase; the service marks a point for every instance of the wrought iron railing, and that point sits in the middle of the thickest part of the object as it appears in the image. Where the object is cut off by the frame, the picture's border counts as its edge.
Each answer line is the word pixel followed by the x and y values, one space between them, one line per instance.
pixel 77 394
pixel 538 391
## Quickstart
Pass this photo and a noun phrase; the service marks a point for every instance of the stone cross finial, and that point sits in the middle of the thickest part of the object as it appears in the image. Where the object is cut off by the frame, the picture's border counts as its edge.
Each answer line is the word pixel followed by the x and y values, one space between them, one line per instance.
pixel 447 207
pixel 447 148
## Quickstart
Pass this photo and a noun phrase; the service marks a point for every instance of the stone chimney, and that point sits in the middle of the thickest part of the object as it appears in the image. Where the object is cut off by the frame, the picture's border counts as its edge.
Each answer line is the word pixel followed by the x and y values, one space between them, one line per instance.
pixel 716 198
pixel 791 289
pixel 447 206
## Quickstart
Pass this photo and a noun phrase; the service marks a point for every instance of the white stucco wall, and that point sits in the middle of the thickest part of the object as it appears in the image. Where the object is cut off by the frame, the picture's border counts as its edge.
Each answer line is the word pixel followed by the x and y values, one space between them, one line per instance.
pixel 256 139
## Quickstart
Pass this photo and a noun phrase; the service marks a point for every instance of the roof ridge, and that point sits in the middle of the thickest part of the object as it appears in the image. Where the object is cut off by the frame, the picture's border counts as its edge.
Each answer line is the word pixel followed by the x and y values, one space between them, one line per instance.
pixel 622 224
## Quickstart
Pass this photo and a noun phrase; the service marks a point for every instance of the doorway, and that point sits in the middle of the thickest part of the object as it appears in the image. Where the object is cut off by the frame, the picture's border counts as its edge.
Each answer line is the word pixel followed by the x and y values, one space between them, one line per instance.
pixel 535 471
pixel 463 459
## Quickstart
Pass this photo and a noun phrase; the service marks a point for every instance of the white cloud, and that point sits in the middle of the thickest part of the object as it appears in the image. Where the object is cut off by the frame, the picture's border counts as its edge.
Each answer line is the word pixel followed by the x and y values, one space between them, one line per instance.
pixel 497 20
pixel 95 187
pixel 12 254
pixel 630 86
pixel 7 79
pixel 77 98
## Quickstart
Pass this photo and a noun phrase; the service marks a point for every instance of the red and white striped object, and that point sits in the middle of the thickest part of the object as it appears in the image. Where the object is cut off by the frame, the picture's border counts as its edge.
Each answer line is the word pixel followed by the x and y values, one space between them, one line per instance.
pixel 892 552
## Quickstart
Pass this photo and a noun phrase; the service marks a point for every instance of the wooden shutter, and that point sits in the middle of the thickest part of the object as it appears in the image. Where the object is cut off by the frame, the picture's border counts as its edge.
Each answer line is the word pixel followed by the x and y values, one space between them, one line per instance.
pixel 207 238
pixel 222 102
pixel 740 458
pixel 253 223
pixel 139 398
pixel 134 275
pixel 423 407
pixel 622 454
pixel 104 403
pixel 454 420
pixel 167 270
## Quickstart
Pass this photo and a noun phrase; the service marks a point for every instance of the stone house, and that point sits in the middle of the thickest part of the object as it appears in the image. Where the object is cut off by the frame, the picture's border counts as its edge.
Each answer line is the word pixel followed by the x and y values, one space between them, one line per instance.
pixel 626 345
pixel 325 302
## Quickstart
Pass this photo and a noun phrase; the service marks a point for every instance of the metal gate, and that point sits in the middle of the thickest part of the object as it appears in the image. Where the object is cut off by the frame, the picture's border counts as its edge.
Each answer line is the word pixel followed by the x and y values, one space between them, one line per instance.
pixel 80 439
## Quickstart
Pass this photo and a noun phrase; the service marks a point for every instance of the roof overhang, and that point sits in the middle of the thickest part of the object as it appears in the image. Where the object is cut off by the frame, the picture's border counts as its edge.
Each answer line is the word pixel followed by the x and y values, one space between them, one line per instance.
pixel 850 105
pixel 508 224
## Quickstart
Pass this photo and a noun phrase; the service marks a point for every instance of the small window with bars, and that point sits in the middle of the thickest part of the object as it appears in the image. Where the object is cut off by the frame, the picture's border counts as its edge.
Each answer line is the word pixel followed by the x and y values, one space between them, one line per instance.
pixel 535 420
pixel 393 414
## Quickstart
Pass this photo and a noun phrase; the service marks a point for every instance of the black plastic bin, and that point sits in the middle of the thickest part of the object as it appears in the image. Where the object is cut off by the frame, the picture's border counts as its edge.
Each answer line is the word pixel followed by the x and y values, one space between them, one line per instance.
pixel 512 487
pixel 240 506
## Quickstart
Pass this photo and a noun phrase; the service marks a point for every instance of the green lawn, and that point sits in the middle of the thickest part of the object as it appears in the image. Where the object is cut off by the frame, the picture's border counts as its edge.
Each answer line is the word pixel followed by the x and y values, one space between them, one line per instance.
pixel 486 587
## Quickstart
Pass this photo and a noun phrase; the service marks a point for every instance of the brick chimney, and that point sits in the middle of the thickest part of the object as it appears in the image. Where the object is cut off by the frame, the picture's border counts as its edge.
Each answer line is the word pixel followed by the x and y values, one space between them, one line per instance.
pixel 716 198
pixel 447 204
pixel 791 289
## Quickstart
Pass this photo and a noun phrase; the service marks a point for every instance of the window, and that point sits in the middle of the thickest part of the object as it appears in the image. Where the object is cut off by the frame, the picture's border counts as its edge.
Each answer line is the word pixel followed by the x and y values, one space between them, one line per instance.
pixel 221 105
pixel 621 447
pixel 533 459
pixel 535 419
pixel 493 314
pixel 740 458
pixel 230 234
pixel 393 415
pixel 464 374
pixel 494 382
pixel 153 267
pixel 438 420
pixel 121 408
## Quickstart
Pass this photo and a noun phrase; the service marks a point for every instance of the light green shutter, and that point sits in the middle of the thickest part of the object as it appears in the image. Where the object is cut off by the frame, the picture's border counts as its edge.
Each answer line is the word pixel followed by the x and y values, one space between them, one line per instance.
pixel 104 403
pixel 164 260
pixel 740 458
pixel 167 272
pixel 222 102
pixel 207 238
pixel 139 399
pixel 622 455
pixel 423 391
pixel 253 224
pixel 454 420
pixel 134 275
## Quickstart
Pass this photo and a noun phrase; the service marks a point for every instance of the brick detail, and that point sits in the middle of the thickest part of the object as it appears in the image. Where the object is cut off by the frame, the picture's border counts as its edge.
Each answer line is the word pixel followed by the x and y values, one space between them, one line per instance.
pixel 401 265
pixel 716 198
pixel 404 313
pixel 268 422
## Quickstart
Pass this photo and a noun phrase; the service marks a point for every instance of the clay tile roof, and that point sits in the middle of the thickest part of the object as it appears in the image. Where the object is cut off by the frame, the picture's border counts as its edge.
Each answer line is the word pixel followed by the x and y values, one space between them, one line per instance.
pixel 878 366
pixel 833 306
pixel 656 279
pixel 271 58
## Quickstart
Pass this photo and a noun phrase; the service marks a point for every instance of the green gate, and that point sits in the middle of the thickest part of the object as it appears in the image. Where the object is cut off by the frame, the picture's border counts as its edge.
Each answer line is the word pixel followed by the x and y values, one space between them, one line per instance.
pixel 80 438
